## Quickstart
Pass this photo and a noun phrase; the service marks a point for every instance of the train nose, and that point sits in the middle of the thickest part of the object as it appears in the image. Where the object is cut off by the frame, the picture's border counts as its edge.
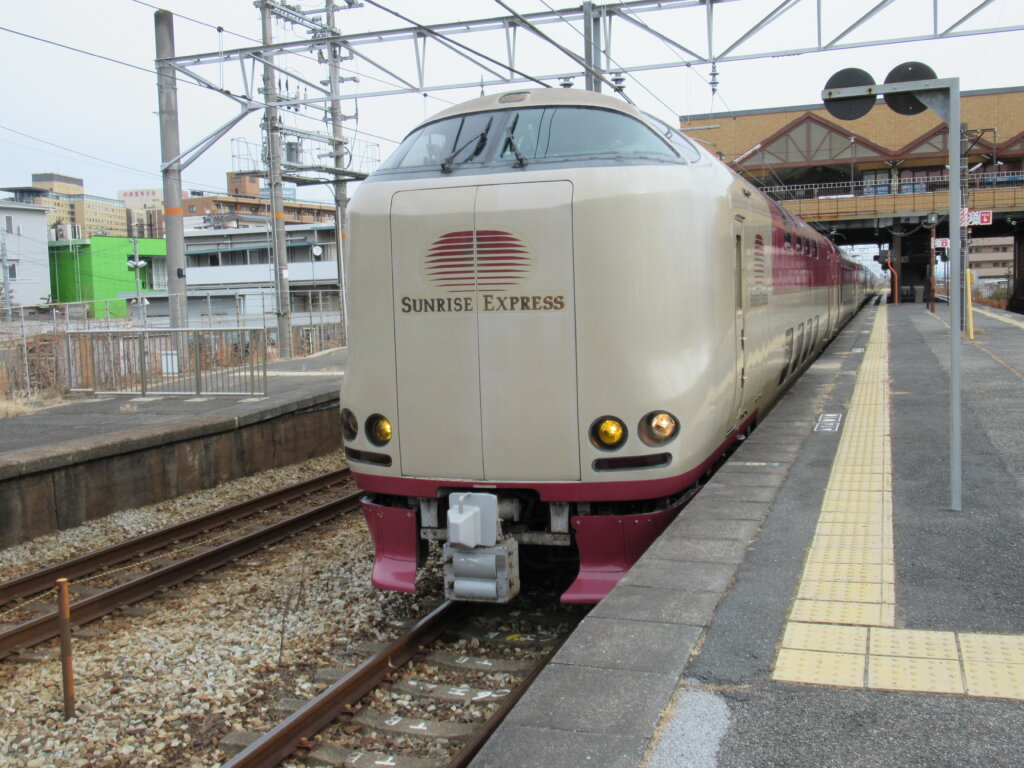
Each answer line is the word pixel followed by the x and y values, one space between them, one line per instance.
pixel 485 322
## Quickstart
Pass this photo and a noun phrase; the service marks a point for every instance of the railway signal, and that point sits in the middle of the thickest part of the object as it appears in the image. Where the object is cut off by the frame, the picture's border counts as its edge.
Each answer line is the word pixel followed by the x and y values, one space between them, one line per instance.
pixel 908 96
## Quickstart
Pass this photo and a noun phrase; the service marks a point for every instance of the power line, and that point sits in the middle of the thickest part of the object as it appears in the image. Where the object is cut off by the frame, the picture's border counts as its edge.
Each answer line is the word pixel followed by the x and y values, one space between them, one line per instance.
pixel 78 50
pixel 220 29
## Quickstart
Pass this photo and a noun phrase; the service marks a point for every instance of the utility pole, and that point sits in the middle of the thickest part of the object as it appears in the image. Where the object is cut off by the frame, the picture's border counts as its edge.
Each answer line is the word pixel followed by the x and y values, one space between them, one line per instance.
pixel 340 185
pixel 174 223
pixel 273 129
pixel 7 277
pixel 137 265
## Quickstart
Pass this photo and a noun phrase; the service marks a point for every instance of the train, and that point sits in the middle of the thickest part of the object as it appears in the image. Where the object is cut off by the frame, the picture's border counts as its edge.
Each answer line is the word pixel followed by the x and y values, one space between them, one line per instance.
pixel 563 312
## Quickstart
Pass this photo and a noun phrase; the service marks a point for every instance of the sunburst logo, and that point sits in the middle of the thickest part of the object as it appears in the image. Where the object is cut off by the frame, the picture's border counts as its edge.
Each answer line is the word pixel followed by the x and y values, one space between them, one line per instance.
pixel 478 260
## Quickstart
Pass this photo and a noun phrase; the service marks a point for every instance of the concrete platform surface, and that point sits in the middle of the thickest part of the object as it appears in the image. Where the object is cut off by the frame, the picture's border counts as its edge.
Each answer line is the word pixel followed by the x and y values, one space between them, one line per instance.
pixel 103 419
pixel 819 604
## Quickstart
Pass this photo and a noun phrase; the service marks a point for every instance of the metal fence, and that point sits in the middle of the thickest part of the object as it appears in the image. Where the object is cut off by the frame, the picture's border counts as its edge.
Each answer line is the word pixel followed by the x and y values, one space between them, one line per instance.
pixel 47 351
pixel 168 361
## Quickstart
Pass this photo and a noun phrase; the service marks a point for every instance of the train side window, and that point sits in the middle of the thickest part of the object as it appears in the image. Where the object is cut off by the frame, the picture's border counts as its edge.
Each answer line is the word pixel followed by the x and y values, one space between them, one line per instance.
pixel 807 247
pixel 814 249
pixel 798 351
pixel 789 239
pixel 787 352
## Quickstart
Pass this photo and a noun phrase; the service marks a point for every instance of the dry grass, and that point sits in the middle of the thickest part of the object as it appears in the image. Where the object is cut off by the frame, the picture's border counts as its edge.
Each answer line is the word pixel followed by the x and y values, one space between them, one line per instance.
pixel 20 406
pixel 17 407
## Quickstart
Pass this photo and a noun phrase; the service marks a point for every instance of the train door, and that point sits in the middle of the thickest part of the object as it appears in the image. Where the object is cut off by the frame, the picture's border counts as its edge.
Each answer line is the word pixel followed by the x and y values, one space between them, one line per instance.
pixel 436 345
pixel 740 330
pixel 527 337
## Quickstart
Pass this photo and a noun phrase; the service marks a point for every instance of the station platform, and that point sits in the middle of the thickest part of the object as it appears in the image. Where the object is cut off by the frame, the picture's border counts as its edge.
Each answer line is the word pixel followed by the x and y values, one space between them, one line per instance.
pixel 84 458
pixel 818 603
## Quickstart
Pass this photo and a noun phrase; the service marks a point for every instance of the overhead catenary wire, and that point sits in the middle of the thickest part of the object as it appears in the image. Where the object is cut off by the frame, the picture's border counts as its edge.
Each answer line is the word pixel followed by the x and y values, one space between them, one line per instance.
pixel 438 36
pixel 249 38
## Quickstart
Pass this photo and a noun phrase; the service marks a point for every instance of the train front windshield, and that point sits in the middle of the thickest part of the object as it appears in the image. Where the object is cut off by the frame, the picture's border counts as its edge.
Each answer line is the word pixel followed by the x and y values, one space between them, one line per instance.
pixel 531 135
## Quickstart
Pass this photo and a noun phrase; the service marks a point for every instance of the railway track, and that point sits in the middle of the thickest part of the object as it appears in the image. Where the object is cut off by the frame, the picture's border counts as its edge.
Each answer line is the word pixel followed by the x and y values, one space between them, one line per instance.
pixel 327 724
pixel 171 570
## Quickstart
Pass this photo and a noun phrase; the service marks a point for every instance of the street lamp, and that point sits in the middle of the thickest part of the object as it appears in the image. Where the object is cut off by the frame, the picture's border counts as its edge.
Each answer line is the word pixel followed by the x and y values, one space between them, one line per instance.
pixel 137 264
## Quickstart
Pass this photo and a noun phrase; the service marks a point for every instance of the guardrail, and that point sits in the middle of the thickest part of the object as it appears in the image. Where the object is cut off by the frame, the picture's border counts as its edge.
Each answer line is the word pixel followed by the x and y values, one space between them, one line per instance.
pixel 903 186
pixel 168 361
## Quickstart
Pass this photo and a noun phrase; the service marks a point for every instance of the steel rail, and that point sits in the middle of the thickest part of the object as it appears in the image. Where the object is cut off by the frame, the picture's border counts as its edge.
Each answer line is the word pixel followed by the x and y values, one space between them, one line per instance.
pixel 41 580
pixel 279 742
pixel 91 608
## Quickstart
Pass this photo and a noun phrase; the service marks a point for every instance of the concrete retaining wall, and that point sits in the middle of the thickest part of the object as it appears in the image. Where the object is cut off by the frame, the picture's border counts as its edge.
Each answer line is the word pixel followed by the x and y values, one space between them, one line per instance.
pixel 58 487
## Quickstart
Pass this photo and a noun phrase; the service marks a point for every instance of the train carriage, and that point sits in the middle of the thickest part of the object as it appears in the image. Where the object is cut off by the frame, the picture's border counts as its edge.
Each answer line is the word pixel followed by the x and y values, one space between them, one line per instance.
pixel 562 313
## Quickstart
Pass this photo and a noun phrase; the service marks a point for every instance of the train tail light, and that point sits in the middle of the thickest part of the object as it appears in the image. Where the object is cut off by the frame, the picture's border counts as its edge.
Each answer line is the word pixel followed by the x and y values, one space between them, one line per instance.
pixel 658 427
pixel 608 433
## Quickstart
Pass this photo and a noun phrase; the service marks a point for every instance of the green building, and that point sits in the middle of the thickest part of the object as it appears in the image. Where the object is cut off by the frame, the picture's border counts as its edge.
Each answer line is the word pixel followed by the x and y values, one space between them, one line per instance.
pixel 95 270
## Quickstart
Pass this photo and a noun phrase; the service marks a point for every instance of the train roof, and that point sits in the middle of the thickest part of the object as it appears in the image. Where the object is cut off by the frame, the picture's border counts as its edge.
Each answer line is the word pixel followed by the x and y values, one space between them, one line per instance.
pixel 537 97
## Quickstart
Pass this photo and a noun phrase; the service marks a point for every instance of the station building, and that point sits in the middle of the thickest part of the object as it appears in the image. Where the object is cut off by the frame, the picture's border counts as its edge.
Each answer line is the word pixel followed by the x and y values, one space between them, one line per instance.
pixel 883 178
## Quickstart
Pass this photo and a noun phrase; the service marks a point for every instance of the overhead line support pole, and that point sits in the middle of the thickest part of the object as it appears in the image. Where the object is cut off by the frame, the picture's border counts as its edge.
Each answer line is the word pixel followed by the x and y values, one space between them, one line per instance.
pixel 170 152
pixel 277 225
pixel 340 186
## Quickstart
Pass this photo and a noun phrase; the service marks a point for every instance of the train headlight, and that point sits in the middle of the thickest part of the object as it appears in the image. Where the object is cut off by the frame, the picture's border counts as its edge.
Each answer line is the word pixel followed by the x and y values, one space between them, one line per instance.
pixel 378 429
pixel 349 425
pixel 658 427
pixel 608 433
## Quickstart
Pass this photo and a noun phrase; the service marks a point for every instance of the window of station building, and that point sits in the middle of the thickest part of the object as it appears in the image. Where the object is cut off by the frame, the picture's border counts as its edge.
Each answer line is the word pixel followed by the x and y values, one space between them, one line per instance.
pixel 9 224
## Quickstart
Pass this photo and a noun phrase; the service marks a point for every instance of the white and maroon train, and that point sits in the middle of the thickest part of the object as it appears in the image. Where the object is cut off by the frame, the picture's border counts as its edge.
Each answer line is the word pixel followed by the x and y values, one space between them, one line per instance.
pixel 562 314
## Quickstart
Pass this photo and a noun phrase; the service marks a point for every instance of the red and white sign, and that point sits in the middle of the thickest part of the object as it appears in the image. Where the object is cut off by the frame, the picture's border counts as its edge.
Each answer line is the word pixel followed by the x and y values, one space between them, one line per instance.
pixel 969 218
pixel 940 242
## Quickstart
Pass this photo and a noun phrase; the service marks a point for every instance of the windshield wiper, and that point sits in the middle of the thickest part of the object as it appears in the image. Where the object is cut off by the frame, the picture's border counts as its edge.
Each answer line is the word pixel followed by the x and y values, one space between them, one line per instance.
pixel 481 142
pixel 510 141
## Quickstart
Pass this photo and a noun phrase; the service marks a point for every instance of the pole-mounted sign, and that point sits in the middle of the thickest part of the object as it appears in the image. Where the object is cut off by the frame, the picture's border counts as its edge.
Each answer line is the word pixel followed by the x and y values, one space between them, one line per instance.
pixel 909 89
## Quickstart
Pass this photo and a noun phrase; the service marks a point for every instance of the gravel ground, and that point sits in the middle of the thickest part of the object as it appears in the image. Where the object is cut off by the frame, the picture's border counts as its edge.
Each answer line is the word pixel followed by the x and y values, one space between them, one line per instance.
pixel 161 690
pixel 118 526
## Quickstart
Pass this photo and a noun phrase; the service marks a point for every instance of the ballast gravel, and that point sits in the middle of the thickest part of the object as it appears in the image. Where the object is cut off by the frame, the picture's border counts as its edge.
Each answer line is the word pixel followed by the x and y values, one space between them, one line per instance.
pixel 162 689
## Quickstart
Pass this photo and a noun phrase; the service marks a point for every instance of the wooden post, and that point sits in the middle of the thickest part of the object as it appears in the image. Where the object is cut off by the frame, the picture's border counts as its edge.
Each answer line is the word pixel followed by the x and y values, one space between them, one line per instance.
pixel 67 668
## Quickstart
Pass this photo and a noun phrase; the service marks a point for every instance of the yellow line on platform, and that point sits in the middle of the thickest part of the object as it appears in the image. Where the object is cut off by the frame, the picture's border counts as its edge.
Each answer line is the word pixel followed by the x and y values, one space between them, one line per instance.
pixel 1000 318
pixel 841 630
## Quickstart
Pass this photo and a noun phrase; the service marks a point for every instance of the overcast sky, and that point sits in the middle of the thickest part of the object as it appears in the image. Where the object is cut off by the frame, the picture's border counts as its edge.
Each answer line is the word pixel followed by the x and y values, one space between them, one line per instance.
pixel 60 106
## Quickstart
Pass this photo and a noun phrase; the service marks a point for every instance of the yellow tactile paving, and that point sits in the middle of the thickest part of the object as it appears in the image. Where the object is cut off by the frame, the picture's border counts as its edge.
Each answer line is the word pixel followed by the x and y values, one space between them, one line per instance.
pixel 825 637
pixel 1003 681
pixel 836 612
pixel 795 666
pixel 850 572
pixel 913 643
pixel 849 592
pixel 1002 649
pixel 841 630
pixel 902 674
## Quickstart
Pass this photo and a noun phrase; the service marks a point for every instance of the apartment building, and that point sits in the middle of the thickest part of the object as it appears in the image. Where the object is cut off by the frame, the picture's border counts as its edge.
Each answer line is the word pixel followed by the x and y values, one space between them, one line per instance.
pixel 71 213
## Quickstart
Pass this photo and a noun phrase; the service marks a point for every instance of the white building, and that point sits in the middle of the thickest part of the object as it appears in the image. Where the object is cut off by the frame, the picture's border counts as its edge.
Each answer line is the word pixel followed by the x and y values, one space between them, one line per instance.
pixel 24 240
pixel 229 271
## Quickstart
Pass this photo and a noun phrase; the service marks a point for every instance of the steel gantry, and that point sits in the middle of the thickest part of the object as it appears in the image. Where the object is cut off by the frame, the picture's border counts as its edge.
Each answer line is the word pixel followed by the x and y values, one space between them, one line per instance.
pixel 663 21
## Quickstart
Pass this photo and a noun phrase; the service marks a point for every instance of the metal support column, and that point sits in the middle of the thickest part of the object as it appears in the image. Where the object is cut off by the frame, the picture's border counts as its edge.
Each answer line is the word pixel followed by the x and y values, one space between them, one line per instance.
pixel 170 149
pixel 340 186
pixel 280 248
